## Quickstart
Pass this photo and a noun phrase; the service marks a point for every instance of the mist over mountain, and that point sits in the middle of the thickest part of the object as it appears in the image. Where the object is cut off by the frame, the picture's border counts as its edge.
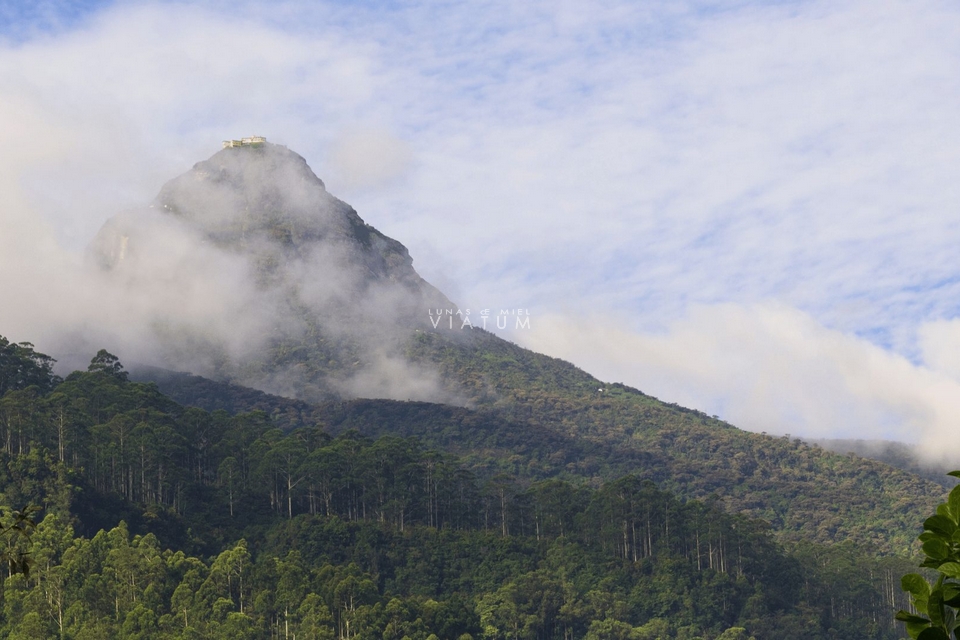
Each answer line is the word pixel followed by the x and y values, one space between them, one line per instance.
pixel 308 325
pixel 248 271
pixel 896 454
pixel 257 274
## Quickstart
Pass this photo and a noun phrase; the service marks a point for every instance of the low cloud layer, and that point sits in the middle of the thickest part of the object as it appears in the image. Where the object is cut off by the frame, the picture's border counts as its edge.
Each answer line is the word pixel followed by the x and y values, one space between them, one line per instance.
pixel 368 159
pixel 771 368
pixel 243 268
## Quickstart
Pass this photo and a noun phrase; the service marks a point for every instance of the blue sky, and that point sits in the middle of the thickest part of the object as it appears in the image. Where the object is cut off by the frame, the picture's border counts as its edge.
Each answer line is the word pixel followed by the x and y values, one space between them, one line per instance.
pixel 22 21
pixel 749 208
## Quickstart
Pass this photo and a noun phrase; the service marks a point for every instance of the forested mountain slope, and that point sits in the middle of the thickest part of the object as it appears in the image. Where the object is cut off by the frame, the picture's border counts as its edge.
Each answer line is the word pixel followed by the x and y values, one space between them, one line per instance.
pixel 330 311
pixel 517 497
pixel 896 454
pixel 236 529
pixel 555 423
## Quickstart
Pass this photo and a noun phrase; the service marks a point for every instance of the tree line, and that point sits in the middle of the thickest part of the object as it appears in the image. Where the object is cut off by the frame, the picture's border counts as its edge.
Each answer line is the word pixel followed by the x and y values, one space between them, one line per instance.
pixel 166 521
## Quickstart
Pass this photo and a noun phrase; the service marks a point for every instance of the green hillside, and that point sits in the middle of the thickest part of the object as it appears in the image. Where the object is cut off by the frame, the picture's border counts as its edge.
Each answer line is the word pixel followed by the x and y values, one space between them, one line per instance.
pixel 896 454
pixel 539 418
pixel 526 499
pixel 327 300
pixel 162 521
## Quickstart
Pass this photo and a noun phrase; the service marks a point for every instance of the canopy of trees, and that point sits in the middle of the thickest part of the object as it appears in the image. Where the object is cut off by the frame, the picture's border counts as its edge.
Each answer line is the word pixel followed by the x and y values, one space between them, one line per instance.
pixel 162 521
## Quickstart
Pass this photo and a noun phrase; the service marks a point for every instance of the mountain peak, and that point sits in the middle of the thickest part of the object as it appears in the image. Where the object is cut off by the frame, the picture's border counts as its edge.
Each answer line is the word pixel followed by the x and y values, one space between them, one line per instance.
pixel 252 141
pixel 255 221
pixel 264 188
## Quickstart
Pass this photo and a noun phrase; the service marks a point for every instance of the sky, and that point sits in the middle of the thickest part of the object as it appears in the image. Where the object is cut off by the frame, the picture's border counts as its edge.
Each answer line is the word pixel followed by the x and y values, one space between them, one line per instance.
pixel 749 208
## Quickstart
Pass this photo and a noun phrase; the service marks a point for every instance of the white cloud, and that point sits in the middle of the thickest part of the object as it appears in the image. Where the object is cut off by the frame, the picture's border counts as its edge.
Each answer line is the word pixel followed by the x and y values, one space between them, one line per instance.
pixel 642 158
pixel 368 159
pixel 767 367
pixel 940 346
pixel 140 94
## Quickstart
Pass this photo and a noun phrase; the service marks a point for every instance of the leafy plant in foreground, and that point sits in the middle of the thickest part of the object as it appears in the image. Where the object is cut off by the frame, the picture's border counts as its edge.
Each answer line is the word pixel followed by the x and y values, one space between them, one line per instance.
pixel 937 603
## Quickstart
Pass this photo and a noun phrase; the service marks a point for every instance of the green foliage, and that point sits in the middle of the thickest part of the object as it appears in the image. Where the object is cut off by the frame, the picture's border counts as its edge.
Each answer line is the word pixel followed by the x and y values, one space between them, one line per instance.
pixel 21 367
pixel 164 521
pixel 936 603
pixel 538 418
pixel 16 529
pixel 379 582
pixel 108 364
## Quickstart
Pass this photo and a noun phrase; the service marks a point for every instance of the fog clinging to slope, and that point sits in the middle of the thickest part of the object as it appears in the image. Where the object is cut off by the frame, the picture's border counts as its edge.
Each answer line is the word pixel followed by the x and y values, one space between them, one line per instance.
pixel 627 163
pixel 246 268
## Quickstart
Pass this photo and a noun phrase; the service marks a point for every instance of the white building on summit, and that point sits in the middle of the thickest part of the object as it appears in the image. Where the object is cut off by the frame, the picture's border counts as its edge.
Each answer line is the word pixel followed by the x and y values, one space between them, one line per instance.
pixel 244 142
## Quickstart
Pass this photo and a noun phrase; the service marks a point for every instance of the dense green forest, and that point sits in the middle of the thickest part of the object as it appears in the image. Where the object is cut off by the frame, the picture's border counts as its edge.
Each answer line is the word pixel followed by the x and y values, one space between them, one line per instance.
pixel 163 521
pixel 537 417
pixel 896 454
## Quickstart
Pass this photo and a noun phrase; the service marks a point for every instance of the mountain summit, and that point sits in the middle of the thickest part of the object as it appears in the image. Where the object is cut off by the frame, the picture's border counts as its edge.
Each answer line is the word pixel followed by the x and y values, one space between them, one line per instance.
pixel 266 200
pixel 276 283
pixel 246 269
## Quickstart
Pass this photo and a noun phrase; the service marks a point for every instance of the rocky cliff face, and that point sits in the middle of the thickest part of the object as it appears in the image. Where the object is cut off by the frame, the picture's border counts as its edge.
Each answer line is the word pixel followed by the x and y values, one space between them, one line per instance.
pixel 279 284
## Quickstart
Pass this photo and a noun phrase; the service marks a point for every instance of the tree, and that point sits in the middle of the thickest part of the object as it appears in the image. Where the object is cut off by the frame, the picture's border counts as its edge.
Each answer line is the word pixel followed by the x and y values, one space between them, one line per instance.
pixel 15 533
pixel 937 603
pixel 226 578
pixel 22 367
pixel 107 363
pixel 291 587
pixel 316 622
pixel 283 461
pixel 229 476
pixel 609 629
